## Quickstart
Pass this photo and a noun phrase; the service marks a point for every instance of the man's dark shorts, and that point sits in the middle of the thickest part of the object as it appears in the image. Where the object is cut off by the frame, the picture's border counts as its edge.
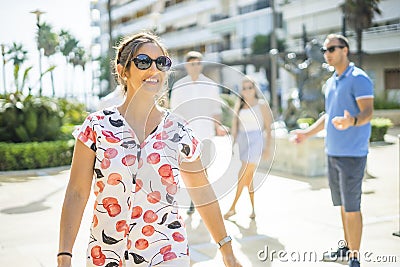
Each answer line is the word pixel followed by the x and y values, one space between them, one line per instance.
pixel 345 176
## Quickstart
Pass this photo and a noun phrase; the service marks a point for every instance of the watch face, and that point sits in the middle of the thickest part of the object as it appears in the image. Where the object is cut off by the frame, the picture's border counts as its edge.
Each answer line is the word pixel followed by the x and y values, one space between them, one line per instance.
pixel 225 240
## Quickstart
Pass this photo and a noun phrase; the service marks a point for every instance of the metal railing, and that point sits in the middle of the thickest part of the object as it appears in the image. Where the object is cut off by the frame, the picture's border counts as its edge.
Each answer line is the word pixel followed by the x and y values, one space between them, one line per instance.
pixel 382 29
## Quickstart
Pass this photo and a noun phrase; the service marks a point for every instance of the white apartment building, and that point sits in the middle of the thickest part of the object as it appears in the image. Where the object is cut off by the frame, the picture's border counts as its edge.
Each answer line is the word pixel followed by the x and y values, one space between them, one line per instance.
pixel 223 30
pixel 381 43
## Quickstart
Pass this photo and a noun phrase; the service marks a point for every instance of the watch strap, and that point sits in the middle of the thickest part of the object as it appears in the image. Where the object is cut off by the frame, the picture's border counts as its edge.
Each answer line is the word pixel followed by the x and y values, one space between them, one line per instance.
pixel 224 240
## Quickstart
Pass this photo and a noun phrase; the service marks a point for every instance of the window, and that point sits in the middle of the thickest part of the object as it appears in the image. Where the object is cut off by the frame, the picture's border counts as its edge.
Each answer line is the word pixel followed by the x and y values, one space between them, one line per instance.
pixel 392 79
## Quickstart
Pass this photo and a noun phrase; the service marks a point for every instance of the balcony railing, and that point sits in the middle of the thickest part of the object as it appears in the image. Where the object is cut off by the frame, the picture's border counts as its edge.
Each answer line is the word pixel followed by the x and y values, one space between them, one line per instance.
pixel 216 17
pixel 296 45
pixel 253 7
pixel 383 29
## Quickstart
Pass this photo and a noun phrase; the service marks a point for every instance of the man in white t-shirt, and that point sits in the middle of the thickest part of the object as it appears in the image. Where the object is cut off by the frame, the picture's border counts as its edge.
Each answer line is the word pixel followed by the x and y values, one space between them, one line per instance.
pixel 196 98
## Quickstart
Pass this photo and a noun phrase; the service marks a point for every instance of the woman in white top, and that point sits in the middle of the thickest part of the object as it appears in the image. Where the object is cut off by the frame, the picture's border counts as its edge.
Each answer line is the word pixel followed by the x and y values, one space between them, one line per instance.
pixel 251 130
pixel 138 156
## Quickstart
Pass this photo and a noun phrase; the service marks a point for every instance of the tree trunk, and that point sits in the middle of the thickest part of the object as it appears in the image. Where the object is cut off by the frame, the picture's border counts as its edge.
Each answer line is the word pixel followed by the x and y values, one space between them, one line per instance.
pixel 40 72
pixel 359 47
pixel 4 68
pixel 52 84
pixel 111 83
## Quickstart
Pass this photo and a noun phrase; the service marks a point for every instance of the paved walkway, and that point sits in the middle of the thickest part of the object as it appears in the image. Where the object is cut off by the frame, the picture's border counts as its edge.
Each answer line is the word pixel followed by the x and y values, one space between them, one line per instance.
pixel 294 217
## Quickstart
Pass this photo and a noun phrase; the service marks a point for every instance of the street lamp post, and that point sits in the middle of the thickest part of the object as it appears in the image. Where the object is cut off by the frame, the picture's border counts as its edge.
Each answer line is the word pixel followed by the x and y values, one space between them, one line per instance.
pixel 273 54
pixel 38 13
pixel 3 53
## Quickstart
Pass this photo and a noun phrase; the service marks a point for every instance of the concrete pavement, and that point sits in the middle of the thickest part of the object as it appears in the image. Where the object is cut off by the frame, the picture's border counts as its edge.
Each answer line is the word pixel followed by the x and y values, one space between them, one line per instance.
pixel 295 219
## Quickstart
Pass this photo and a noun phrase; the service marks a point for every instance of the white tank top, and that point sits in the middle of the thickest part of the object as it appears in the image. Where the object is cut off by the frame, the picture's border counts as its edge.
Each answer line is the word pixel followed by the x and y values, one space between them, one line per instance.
pixel 251 119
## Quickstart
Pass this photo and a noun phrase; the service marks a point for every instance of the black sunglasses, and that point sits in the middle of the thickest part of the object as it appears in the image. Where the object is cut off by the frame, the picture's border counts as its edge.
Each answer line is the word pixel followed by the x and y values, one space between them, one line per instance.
pixel 248 87
pixel 331 49
pixel 197 63
pixel 143 62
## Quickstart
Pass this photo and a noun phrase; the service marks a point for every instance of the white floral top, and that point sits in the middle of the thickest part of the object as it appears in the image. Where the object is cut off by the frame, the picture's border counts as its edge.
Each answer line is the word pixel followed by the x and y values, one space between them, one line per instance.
pixel 136 220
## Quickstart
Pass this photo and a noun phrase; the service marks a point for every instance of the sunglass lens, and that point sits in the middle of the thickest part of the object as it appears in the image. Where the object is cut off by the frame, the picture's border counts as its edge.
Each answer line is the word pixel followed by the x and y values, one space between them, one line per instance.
pixel 142 62
pixel 163 63
pixel 331 49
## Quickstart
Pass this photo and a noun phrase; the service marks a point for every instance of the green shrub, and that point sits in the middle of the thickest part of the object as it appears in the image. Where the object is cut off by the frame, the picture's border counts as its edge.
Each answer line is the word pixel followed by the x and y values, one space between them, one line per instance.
pixel 379 127
pixel 66 132
pixel 382 103
pixel 227 110
pixel 308 121
pixel 74 112
pixel 35 155
pixel 37 119
pixel 25 119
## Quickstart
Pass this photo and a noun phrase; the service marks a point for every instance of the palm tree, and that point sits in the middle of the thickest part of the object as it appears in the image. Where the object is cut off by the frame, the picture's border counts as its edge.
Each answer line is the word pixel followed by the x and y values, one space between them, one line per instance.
pixel 358 15
pixel 18 55
pixel 111 81
pixel 3 54
pixel 48 41
pixel 80 59
pixel 67 45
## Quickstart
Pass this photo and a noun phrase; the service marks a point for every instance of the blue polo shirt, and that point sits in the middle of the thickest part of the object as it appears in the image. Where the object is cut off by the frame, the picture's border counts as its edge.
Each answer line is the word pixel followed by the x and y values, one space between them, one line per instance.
pixel 341 94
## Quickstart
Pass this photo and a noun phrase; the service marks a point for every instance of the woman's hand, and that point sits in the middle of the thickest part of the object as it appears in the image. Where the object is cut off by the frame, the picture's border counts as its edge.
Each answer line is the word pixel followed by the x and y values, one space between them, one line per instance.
pixel 228 257
pixel 231 261
pixel 298 136
pixel 266 154
pixel 63 261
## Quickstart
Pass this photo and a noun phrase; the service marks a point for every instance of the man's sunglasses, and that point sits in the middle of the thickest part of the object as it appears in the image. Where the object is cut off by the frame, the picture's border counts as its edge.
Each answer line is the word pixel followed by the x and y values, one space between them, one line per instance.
pixel 248 87
pixel 197 63
pixel 143 62
pixel 331 49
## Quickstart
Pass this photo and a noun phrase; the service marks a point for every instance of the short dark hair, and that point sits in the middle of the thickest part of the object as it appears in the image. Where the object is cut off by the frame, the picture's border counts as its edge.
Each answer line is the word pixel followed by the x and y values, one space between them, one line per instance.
pixel 343 40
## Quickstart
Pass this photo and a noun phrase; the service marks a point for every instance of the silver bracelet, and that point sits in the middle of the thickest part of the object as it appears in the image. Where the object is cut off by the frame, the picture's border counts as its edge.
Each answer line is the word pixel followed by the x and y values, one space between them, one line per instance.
pixel 224 240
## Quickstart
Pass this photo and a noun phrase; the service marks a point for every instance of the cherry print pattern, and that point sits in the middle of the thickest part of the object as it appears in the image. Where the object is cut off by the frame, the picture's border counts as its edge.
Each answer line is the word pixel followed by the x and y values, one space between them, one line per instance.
pixel 136 220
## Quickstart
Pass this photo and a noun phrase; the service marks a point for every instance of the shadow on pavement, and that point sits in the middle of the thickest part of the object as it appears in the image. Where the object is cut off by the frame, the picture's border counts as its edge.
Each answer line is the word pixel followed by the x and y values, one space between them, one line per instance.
pixel 33 206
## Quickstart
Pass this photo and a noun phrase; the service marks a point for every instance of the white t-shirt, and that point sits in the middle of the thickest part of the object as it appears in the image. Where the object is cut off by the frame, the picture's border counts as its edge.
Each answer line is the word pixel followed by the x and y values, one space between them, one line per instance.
pixel 197 102
pixel 251 119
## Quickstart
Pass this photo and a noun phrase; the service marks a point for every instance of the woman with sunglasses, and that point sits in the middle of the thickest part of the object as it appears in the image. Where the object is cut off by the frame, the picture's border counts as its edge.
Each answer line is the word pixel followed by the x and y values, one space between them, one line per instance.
pixel 251 129
pixel 138 154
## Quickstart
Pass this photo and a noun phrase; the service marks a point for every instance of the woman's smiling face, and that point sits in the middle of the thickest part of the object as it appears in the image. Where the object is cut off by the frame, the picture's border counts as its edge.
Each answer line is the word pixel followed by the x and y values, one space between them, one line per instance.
pixel 150 80
pixel 248 90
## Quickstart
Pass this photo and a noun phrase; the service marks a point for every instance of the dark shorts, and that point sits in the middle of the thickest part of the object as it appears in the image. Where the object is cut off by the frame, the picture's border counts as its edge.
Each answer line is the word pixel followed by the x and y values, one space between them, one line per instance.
pixel 345 176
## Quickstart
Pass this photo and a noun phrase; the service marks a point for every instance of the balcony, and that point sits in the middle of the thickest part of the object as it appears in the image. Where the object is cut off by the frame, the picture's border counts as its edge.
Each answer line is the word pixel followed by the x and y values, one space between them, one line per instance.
pixel 188 38
pixel 216 17
pixel 128 9
pixel 173 15
pixel 134 27
pixel 255 6
pixel 372 39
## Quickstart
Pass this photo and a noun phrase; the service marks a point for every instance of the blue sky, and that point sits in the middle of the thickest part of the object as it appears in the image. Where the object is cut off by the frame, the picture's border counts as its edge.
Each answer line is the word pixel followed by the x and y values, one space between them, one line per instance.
pixel 17 24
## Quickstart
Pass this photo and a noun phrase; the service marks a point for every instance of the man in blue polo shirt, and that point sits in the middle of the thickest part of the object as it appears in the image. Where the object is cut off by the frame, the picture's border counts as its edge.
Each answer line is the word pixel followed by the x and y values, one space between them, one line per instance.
pixel 349 106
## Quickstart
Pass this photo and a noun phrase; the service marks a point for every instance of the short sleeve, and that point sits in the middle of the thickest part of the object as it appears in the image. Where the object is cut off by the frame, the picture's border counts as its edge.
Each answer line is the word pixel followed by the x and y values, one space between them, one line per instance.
pixel 86 134
pixel 363 87
pixel 189 145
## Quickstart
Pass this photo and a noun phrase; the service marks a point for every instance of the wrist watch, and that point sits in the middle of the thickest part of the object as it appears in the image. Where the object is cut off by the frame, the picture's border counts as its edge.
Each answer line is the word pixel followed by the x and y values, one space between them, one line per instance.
pixel 355 121
pixel 224 240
